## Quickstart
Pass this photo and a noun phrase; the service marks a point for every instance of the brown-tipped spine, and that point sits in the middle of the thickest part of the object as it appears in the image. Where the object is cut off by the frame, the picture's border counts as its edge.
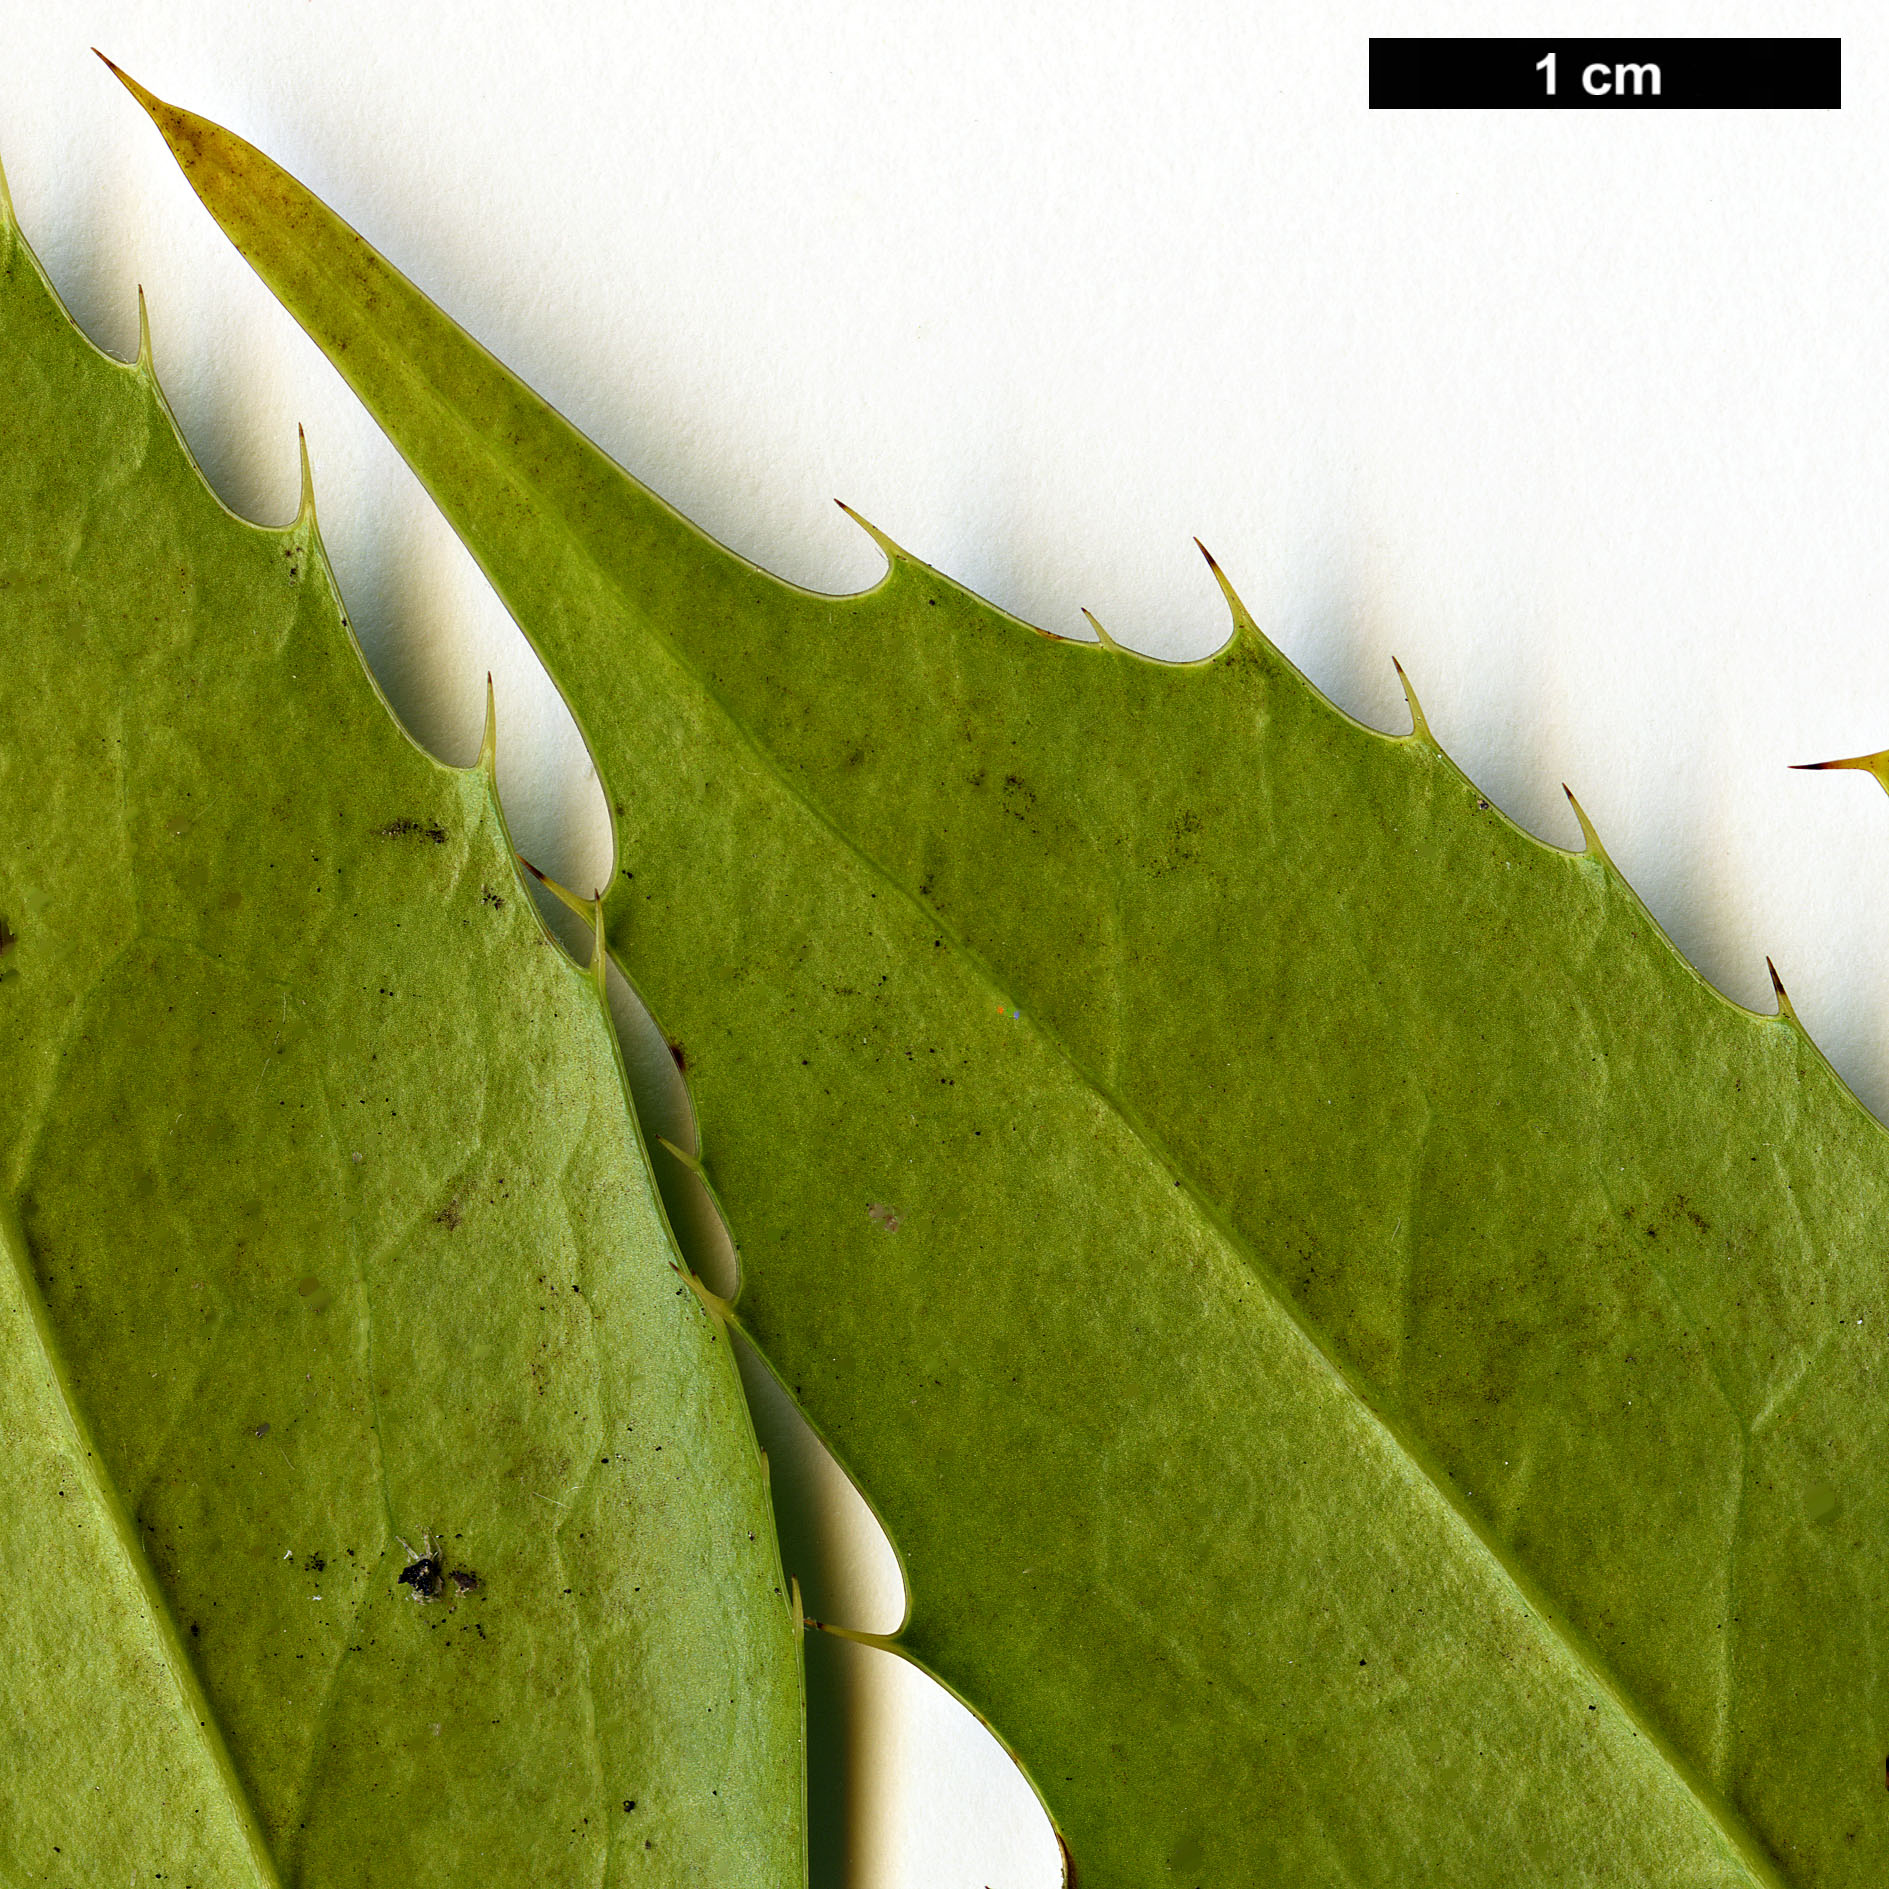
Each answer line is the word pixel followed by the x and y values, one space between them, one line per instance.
pixel 565 897
pixel 1593 847
pixel 897 553
pixel 1242 617
pixel 305 507
pixel 1876 764
pixel 1784 1006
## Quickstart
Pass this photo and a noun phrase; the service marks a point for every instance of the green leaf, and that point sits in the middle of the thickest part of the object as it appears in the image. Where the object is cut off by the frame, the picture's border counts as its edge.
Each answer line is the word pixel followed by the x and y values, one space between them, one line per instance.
pixel 325 1225
pixel 1367 1358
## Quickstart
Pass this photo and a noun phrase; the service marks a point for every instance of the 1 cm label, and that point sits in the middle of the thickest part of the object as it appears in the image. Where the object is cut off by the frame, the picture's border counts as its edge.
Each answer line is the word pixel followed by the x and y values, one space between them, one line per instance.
pixel 1601 80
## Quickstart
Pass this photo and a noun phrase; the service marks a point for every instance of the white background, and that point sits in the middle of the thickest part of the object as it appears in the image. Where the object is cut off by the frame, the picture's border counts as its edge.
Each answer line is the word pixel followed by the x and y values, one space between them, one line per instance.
pixel 1583 416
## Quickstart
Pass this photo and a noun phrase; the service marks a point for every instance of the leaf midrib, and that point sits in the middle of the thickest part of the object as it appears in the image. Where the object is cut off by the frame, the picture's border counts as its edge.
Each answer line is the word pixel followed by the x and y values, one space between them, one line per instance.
pixel 478 446
pixel 1578 1647
pixel 157 1603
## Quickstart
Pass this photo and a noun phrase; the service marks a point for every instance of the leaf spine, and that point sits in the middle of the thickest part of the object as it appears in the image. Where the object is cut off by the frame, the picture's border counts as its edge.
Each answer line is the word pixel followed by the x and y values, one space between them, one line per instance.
pixel 1244 628
pixel 1419 728
pixel 1877 764
pixel 488 742
pixel 305 508
pixel 692 1162
pixel 146 365
pixel 713 1303
pixel 1593 848
pixel 1786 1013
pixel 1101 635
pixel 568 899
pixel 896 553
pixel 599 966
pixel 885 1642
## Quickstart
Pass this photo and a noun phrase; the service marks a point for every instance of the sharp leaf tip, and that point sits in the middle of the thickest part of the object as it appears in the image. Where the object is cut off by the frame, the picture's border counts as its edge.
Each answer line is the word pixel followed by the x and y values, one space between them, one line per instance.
pixel 148 100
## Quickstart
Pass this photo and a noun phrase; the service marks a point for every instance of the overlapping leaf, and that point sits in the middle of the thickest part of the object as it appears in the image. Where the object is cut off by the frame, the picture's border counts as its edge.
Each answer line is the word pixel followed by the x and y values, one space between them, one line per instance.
pixel 377 1502
pixel 1369 1361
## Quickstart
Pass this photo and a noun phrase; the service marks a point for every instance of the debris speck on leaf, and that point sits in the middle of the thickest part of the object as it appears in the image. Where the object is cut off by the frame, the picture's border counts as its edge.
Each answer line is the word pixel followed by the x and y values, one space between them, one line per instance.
pixel 423 1577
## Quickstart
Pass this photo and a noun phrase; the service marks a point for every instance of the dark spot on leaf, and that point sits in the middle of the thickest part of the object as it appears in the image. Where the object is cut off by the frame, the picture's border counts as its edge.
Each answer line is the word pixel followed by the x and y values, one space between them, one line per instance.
pixel 883 1216
pixel 314 1564
pixel 449 1215
pixel 1019 797
pixel 681 1056
pixel 423 1577
pixel 412 829
pixel 464 1579
pixel 492 898
pixel 629 1803
pixel 8 937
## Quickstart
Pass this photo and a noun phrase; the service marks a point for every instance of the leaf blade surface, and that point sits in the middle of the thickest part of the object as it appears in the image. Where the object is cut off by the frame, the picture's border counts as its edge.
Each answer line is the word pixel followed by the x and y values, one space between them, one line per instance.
pixel 386 1507
pixel 1283 1036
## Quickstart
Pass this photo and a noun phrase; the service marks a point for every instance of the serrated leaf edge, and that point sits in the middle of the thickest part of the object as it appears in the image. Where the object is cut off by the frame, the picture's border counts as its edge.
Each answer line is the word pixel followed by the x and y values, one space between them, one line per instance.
pixel 303 531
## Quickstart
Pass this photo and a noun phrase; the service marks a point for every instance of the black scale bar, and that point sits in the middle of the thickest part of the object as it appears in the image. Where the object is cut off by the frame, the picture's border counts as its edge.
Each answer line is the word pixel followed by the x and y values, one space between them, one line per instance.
pixel 1607 74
